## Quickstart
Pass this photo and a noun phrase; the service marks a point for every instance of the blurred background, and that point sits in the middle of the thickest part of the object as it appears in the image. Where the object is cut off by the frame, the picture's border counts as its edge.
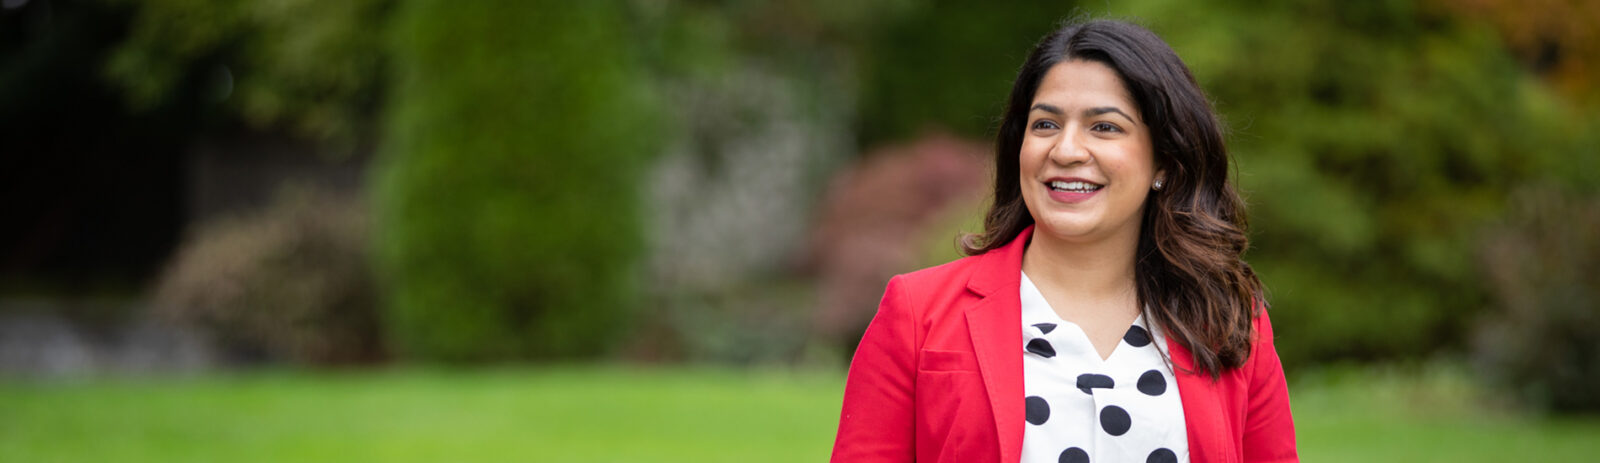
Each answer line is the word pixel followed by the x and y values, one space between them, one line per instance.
pixel 652 230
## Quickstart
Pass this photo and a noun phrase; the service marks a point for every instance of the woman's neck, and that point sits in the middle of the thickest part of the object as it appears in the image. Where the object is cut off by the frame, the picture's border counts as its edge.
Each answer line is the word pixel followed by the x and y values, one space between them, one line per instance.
pixel 1094 271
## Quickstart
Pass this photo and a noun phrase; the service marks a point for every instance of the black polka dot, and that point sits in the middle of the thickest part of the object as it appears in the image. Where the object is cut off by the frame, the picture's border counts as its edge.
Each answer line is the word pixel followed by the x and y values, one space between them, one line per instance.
pixel 1073 455
pixel 1046 328
pixel 1115 420
pixel 1038 410
pixel 1041 347
pixel 1137 336
pixel 1088 381
pixel 1152 383
pixel 1162 456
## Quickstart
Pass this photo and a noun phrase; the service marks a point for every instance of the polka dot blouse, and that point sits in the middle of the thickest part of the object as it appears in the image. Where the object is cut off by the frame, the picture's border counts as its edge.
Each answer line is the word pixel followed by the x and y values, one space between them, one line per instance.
pixel 1081 408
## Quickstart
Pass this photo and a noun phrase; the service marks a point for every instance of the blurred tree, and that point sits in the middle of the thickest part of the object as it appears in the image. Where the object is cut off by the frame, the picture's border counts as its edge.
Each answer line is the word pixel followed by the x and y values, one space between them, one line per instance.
pixel 1558 39
pixel 508 187
pixel 946 66
pixel 314 68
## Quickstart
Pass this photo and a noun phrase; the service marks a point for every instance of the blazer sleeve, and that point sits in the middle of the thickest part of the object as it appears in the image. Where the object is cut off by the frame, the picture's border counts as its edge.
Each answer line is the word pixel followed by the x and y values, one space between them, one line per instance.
pixel 876 423
pixel 1269 424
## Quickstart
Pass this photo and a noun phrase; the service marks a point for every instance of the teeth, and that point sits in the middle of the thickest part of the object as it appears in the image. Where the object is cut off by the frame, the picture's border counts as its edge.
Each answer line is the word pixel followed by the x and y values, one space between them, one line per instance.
pixel 1076 187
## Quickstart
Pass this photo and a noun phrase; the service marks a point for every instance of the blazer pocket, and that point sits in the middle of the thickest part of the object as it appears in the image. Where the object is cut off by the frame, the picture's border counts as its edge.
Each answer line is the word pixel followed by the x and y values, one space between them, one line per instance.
pixel 946 360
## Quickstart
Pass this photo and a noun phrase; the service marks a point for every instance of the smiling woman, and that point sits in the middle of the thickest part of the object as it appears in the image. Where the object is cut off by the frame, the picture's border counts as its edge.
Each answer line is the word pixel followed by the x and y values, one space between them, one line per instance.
pixel 1085 160
pixel 1105 313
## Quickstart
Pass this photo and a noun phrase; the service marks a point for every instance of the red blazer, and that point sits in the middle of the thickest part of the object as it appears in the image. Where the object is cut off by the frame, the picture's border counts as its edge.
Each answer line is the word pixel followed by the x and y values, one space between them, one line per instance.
pixel 938 377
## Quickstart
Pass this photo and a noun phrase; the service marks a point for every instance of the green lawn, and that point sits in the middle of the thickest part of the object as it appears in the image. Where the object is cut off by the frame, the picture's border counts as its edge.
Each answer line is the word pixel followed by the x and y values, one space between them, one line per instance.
pixel 615 414
pixel 1431 415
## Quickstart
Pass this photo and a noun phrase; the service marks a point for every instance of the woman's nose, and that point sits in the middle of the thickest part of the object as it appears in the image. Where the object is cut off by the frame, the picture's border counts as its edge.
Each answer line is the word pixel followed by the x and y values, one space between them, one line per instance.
pixel 1069 149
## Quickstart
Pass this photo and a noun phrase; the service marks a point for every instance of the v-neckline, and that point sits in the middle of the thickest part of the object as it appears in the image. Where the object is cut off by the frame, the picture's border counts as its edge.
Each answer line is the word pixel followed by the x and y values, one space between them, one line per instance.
pixel 1082 335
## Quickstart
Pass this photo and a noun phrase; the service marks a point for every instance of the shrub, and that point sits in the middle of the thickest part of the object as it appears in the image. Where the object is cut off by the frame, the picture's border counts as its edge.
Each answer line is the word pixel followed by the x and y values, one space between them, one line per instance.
pixel 878 219
pixel 507 187
pixel 1543 267
pixel 290 282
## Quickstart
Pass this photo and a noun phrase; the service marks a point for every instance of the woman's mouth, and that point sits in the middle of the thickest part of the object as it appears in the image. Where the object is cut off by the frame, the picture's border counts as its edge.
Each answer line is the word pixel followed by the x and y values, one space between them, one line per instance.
pixel 1072 191
pixel 1075 187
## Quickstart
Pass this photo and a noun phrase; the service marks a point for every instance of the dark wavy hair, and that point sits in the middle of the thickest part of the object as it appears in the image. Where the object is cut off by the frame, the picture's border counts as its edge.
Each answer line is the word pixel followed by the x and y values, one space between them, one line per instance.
pixel 1190 276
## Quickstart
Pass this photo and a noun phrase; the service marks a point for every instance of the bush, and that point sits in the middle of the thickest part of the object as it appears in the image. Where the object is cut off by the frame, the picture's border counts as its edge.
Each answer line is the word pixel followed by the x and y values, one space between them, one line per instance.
pixel 290 282
pixel 507 187
pixel 878 218
pixel 1543 266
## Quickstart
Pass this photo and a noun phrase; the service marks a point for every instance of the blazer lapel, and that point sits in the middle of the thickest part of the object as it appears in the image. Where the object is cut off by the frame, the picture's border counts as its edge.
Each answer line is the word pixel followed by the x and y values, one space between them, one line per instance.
pixel 995 326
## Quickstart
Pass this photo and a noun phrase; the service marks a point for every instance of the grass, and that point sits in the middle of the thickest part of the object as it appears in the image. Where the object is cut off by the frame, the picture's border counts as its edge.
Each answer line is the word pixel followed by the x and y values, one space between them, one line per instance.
pixel 560 415
pixel 1423 415
pixel 615 414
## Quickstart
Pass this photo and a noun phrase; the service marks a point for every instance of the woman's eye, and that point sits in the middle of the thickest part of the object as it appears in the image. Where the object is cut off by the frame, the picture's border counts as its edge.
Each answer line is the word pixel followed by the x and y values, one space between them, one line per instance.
pixel 1104 127
pixel 1044 125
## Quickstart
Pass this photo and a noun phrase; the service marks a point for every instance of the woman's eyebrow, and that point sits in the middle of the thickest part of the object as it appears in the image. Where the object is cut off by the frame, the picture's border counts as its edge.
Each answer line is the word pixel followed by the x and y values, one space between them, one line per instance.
pixel 1087 113
pixel 1047 108
pixel 1092 112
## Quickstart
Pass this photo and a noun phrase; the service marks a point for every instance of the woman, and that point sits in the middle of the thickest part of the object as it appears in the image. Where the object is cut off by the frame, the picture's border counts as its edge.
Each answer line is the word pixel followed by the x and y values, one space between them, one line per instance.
pixel 1104 314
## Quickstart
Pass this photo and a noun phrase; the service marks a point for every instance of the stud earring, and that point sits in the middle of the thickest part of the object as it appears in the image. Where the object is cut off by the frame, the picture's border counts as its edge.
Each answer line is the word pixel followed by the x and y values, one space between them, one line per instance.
pixel 1157 185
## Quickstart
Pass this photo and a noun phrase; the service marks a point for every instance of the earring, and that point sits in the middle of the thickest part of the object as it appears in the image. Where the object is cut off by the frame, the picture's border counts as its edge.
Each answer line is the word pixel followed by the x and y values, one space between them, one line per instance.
pixel 1157 185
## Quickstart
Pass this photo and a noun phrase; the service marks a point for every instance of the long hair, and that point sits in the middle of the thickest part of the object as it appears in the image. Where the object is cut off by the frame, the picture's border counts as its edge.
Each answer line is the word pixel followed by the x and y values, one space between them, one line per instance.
pixel 1190 277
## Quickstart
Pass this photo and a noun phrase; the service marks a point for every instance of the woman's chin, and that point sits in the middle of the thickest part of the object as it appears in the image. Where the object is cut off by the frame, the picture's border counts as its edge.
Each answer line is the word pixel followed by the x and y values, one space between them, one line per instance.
pixel 1068 228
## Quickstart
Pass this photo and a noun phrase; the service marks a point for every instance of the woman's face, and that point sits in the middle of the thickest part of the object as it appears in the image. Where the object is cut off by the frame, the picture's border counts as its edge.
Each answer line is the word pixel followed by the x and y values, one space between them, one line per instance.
pixel 1086 162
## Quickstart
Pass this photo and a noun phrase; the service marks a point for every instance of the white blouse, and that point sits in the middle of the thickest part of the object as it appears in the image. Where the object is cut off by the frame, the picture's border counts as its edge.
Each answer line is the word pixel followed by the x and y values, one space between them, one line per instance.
pixel 1081 408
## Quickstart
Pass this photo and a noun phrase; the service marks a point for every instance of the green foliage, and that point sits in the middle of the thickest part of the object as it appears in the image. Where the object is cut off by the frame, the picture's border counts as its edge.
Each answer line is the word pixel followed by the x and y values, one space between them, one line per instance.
pixel 1375 139
pixel 947 66
pixel 507 189
pixel 315 68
